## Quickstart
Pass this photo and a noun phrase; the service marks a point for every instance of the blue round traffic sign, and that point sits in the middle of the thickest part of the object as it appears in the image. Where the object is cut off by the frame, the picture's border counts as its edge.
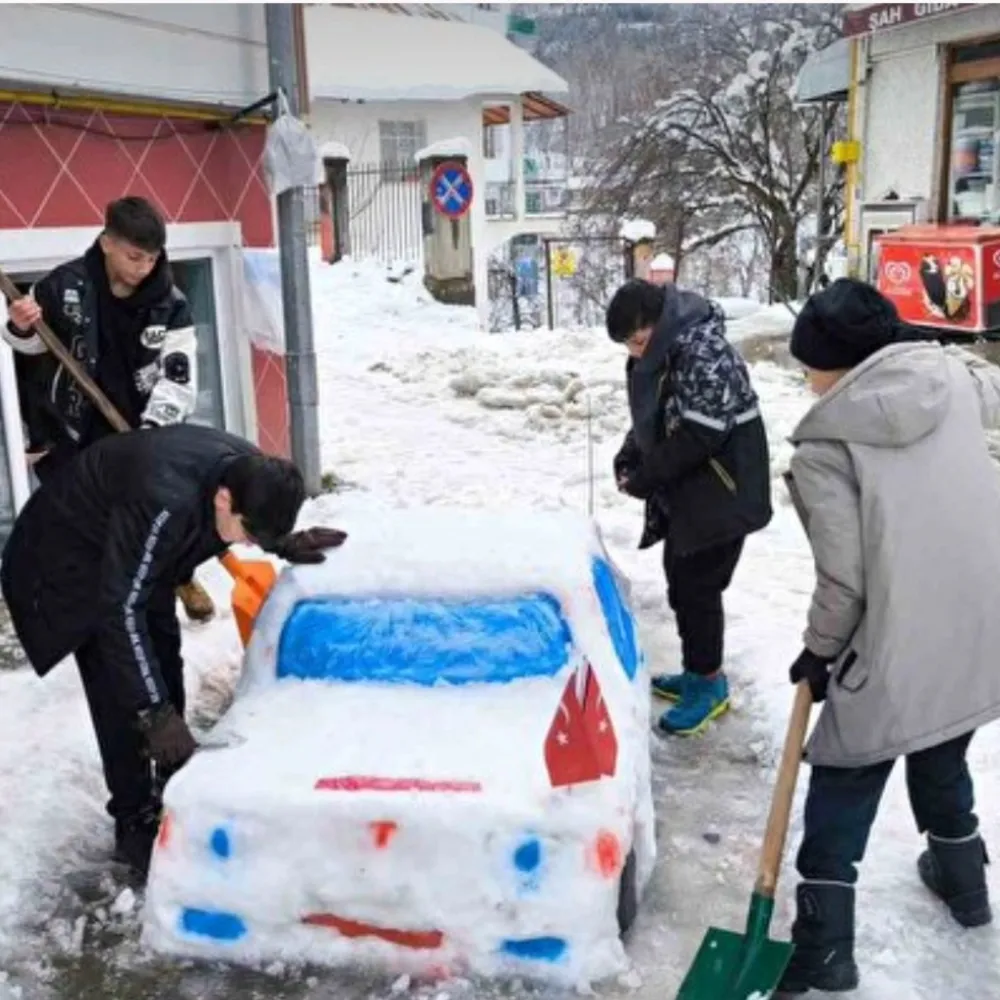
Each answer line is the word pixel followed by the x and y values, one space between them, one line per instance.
pixel 451 189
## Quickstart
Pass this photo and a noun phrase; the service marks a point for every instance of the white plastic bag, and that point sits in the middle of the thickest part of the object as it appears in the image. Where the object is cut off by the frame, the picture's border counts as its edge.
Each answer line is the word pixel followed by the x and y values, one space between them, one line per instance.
pixel 291 157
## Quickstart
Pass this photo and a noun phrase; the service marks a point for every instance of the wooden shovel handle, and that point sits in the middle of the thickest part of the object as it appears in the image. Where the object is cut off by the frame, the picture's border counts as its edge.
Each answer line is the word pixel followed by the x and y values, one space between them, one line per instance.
pixel 59 349
pixel 784 793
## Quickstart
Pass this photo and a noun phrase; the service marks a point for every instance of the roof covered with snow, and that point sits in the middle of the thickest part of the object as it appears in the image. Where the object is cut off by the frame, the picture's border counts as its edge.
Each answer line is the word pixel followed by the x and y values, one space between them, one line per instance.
pixel 370 55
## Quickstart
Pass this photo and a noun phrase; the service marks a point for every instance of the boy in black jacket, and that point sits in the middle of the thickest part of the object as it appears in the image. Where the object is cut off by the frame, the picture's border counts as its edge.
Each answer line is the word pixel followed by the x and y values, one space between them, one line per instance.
pixel 120 314
pixel 90 570
pixel 697 455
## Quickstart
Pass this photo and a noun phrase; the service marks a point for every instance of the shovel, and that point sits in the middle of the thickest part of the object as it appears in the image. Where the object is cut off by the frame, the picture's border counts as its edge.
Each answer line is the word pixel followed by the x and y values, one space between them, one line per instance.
pixel 253 579
pixel 749 966
pixel 252 582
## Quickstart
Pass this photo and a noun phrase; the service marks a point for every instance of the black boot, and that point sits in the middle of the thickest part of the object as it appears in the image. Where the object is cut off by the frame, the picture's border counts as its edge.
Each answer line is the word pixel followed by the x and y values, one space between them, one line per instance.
pixel 955 871
pixel 823 935
pixel 134 840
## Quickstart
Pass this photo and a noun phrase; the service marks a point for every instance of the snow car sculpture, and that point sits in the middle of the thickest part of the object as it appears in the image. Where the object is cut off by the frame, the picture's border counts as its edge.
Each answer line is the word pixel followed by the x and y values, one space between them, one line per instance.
pixel 437 762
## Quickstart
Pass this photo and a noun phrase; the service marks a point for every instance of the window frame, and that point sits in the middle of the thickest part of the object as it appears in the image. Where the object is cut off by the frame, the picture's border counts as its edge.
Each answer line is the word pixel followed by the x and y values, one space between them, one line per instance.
pixel 953 74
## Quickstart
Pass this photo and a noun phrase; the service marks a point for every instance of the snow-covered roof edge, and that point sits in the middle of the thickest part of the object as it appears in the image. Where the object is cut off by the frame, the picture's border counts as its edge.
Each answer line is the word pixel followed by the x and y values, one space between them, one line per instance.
pixel 459 145
pixel 346 52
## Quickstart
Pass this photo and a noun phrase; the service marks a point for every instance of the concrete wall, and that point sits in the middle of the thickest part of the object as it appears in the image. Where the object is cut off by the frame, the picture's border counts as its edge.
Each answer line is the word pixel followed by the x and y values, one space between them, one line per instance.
pixel 903 115
pixel 203 53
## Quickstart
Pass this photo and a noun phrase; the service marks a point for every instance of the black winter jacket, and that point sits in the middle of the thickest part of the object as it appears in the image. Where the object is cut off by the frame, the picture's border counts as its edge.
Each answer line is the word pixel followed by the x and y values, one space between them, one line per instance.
pixel 108 537
pixel 141 351
pixel 697 452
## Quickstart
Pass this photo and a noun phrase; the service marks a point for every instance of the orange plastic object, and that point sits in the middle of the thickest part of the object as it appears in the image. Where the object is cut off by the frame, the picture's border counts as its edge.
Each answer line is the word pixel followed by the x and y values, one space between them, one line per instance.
pixel 254 579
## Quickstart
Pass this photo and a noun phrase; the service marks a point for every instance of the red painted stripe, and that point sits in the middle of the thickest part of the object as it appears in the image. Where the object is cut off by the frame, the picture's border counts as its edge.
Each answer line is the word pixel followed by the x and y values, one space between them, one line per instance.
pixel 356 929
pixel 367 783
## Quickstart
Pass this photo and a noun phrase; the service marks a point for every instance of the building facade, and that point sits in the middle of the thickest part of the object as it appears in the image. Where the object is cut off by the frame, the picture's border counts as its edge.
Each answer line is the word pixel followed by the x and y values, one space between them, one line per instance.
pixel 102 100
pixel 388 82
pixel 923 119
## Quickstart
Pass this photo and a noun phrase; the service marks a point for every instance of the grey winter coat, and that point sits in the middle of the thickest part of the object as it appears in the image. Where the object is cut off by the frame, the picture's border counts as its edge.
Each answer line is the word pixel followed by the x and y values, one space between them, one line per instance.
pixel 901 503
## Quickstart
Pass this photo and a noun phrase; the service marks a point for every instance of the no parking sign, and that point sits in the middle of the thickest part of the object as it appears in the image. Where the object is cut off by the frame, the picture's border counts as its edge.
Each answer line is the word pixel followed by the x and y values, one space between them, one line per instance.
pixel 451 189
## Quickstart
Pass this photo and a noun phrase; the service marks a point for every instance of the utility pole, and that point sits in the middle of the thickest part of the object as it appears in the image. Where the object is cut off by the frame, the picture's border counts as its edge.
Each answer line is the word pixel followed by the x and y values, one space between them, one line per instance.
pixel 300 353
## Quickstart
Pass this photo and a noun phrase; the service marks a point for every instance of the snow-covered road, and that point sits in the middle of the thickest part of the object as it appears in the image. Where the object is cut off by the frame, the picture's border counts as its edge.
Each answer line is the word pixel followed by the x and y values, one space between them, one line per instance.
pixel 419 409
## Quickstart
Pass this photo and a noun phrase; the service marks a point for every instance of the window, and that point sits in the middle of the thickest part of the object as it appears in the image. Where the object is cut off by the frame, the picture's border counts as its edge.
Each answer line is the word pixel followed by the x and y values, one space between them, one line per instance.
pixel 195 279
pixel 425 641
pixel 490 145
pixel 971 182
pixel 399 143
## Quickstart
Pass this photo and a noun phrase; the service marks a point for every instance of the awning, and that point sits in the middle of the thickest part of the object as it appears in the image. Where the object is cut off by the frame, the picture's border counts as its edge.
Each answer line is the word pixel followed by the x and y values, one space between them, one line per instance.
pixel 537 107
pixel 826 74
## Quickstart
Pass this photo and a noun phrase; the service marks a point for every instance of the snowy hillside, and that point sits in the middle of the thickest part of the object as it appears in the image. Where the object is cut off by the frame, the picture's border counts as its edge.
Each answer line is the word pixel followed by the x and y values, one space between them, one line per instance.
pixel 419 408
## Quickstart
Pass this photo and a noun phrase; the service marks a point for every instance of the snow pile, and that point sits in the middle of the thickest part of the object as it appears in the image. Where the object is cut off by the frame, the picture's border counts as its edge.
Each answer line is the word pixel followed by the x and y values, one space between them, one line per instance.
pixel 334 826
pixel 763 321
pixel 635 230
pixel 368 309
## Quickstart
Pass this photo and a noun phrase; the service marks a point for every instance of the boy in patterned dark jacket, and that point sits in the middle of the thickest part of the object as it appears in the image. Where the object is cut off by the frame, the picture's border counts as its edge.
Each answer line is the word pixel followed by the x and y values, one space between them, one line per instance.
pixel 697 455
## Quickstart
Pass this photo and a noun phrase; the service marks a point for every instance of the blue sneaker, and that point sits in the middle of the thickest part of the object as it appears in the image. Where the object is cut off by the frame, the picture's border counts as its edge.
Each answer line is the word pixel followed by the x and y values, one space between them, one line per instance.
pixel 670 687
pixel 703 699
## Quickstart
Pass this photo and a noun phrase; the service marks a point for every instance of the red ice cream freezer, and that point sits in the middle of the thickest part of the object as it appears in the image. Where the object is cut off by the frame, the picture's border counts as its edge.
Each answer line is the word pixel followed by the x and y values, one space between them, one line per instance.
pixel 945 277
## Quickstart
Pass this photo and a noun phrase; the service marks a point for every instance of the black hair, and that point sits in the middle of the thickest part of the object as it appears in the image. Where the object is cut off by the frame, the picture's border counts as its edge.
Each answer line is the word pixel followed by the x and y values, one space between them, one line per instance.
pixel 636 305
pixel 136 221
pixel 268 492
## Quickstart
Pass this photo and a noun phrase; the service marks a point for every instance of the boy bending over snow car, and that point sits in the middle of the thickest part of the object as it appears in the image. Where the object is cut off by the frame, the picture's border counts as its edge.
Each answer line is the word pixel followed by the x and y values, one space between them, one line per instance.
pixel 697 455
pixel 90 570
pixel 901 503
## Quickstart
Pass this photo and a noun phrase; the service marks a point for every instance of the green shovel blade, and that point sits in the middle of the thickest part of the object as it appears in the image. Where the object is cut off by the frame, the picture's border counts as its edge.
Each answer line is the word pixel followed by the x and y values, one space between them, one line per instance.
pixel 732 966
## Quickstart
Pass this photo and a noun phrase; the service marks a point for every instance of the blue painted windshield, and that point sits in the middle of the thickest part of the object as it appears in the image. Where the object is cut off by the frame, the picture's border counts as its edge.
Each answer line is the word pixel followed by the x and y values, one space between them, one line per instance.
pixel 424 641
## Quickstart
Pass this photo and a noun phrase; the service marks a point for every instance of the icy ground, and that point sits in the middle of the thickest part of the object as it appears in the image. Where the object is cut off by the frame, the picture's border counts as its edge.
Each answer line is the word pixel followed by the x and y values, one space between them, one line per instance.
pixel 417 408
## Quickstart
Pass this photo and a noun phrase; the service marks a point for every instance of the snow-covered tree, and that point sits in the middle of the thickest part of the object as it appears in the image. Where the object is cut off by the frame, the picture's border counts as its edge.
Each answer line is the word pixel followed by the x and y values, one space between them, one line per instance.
pixel 725 150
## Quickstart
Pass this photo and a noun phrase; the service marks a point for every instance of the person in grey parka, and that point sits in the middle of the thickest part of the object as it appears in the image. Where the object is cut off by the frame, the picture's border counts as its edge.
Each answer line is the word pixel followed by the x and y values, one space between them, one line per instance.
pixel 901 503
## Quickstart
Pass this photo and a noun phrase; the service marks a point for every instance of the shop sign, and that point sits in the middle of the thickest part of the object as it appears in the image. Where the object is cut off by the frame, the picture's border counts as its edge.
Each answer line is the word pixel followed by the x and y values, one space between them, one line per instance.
pixel 877 17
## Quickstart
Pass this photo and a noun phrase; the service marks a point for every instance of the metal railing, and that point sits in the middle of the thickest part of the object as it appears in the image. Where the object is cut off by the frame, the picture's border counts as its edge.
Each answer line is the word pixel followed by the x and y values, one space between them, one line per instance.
pixel 541 197
pixel 382 214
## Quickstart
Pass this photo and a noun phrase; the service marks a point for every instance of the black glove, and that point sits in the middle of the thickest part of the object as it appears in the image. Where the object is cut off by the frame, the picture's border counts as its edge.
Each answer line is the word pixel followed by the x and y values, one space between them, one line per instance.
pixel 637 484
pixel 169 742
pixel 814 669
pixel 307 546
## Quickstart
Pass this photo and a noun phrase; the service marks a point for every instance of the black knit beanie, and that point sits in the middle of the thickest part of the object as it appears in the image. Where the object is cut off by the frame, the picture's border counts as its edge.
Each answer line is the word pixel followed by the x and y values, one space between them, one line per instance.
pixel 843 325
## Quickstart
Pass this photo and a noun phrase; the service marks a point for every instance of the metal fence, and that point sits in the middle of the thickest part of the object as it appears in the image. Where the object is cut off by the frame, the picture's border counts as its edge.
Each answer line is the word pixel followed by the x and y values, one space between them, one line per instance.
pixel 382 213
pixel 555 282
pixel 541 197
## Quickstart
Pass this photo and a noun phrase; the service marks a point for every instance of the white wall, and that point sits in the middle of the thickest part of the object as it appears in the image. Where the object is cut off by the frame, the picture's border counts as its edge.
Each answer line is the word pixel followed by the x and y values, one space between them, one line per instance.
pixel 356 125
pixel 203 53
pixel 903 116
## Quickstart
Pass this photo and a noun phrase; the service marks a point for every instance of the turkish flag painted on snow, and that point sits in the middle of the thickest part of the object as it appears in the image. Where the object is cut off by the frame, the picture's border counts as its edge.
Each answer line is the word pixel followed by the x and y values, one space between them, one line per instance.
pixel 581 744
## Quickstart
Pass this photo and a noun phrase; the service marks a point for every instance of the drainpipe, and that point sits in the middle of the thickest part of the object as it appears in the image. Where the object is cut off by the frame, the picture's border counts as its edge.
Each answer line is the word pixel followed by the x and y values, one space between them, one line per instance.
pixel 851 242
pixel 300 354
